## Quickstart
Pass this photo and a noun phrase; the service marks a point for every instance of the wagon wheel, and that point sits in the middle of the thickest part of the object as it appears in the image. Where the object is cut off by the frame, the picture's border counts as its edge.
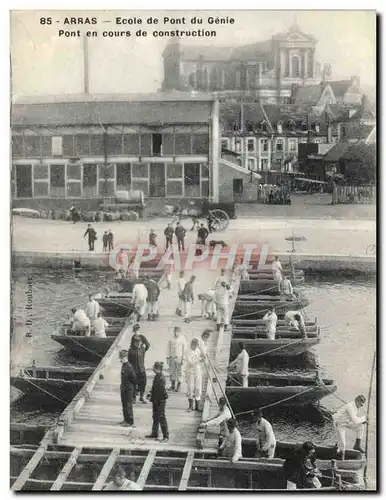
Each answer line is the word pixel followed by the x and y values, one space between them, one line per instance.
pixel 220 219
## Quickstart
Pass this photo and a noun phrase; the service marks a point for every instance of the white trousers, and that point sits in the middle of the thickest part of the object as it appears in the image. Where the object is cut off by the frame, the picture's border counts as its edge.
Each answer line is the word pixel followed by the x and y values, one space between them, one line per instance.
pixel 180 306
pixel 244 380
pixel 187 309
pixel 223 314
pixel 175 368
pixel 271 332
pixel 208 307
pixel 194 381
pixel 152 307
pixel 341 433
pixel 140 306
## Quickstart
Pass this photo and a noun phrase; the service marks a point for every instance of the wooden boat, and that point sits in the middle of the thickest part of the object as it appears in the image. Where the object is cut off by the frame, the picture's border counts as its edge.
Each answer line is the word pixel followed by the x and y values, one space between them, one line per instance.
pixel 250 306
pixel 116 303
pixel 23 434
pixel 51 383
pixel 260 284
pixel 111 331
pixel 281 330
pixel 270 388
pixel 287 347
pixel 164 472
pixel 15 395
pixel 236 322
pixel 86 346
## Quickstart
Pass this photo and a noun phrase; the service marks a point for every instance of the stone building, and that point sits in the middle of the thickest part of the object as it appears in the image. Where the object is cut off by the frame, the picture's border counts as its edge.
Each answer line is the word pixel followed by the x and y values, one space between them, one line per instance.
pixel 83 149
pixel 265 70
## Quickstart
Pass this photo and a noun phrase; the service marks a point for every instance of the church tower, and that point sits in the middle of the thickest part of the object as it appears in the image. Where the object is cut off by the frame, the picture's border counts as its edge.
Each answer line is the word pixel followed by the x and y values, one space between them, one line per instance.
pixel 172 65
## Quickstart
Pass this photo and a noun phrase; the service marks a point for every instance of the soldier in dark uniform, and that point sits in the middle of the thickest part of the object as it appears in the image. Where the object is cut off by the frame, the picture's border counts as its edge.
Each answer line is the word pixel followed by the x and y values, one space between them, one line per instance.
pixel 169 231
pixel 105 240
pixel 110 239
pixel 180 235
pixel 202 234
pixel 158 397
pixel 136 357
pixel 92 236
pixel 128 383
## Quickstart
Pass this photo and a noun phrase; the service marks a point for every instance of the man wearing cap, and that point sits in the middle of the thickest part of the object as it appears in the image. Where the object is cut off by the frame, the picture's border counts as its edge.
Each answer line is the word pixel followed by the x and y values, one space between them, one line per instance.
pixel 144 340
pixel 177 348
pixel 139 299
pixel 193 375
pixel 128 383
pixel 300 469
pixel 266 440
pixel 136 357
pixel 347 418
pixel 158 397
pixel 92 236
pixel 220 419
pixel 181 282
pixel 188 298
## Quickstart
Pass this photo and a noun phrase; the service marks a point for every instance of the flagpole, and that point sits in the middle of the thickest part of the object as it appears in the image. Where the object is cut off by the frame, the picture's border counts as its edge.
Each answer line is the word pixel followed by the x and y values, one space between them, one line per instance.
pixel 86 88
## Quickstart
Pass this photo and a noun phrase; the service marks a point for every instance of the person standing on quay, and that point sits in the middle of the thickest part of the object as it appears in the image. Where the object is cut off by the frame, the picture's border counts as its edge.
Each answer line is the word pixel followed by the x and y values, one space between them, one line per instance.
pixel 177 349
pixel 193 375
pixel 128 384
pixel 222 296
pixel 202 235
pixel 110 239
pixel 92 308
pixel 180 235
pixel 277 271
pixel 158 397
pixel 139 299
pixel 169 231
pixel 92 236
pixel 266 440
pixel 181 282
pixel 105 240
pixel 144 340
pixel 136 357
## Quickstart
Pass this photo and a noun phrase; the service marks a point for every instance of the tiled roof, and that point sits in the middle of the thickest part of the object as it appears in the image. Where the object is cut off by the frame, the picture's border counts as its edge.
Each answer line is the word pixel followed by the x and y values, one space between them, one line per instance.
pixel 340 87
pixel 358 150
pixel 336 152
pixel 96 113
pixel 308 94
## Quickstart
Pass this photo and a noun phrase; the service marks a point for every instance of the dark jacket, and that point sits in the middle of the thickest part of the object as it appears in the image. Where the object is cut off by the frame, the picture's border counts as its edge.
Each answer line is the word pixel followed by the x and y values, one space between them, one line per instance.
pixel 128 377
pixel 180 232
pixel 144 340
pixel 110 237
pixel 105 238
pixel 188 294
pixel 152 290
pixel 169 231
pixel 300 470
pixel 137 358
pixel 152 239
pixel 158 391
pixel 92 236
pixel 203 233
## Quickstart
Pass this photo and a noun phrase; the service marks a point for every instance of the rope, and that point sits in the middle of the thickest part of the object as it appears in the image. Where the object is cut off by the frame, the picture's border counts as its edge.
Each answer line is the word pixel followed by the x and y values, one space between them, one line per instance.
pixel 27 378
pixel 86 348
pixel 244 315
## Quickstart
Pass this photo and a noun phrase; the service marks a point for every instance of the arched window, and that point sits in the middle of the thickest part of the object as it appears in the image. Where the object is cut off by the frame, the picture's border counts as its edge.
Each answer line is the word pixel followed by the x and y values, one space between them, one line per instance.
pixel 263 126
pixel 304 126
pixel 295 61
pixel 249 126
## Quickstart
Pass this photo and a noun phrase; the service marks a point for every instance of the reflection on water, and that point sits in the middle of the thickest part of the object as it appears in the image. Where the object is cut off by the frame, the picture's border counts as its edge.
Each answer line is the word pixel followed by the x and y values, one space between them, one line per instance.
pixel 345 310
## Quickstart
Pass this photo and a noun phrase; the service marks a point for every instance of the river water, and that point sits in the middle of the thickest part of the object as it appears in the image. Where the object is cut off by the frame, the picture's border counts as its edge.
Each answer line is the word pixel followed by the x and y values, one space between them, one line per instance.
pixel 346 312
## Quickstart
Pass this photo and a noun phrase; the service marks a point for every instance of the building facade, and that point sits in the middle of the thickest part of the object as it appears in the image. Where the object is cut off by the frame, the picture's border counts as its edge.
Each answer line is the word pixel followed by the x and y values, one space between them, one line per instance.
pixel 266 138
pixel 265 70
pixel 90 148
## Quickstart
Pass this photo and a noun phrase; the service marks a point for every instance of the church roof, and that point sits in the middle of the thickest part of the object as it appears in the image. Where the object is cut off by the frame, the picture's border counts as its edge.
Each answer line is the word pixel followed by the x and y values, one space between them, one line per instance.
pixel 260 50
pixel 292 33
pixel 340 87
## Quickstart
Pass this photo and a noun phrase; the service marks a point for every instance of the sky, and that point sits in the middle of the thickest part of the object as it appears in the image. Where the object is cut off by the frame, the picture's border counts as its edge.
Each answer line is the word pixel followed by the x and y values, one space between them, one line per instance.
pixel 44 63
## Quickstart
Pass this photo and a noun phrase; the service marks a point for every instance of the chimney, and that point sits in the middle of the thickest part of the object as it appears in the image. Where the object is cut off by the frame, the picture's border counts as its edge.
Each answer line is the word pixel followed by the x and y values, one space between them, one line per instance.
pixel 329 133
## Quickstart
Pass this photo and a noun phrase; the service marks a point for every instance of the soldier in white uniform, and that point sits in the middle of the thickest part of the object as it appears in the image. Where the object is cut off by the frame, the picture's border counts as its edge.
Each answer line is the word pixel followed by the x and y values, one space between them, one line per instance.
pixel 242 365
pixel 347 418
pixel 220 279
pixel 92 309
pixel 208 306
pixel 177 349
pixel 270 319
pixel 80 322
pixel 139 299
pixel 222 296
pixel 193 375
pixel 277 271
pixel 266 441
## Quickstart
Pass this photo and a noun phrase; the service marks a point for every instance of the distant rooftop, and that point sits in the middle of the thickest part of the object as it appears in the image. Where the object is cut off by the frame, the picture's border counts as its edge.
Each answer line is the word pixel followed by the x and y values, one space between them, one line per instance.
pixel 149 97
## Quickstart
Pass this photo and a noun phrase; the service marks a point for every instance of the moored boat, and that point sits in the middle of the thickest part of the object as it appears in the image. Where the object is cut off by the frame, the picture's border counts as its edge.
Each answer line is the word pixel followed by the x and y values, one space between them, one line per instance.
pixel 286 347
pixel 83 346
pixel 269 388
pixel 51 384
pixel 249 306
pixel 116 303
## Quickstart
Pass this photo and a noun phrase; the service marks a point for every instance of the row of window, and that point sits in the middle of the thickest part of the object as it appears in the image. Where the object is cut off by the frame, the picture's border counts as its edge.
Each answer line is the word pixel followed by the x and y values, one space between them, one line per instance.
pixel 236 144
pixel 165 144
pixel 91 180
pixel 291 126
